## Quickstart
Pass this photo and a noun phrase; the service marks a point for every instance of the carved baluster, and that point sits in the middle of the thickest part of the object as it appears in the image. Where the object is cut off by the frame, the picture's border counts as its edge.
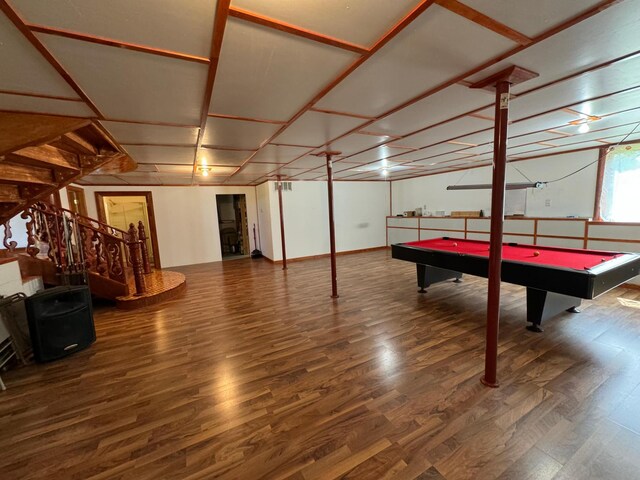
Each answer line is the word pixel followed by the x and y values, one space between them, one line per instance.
pixel 101 262
pixel 28 215
pixel 134 252
pixel 142 235
pixel 9 244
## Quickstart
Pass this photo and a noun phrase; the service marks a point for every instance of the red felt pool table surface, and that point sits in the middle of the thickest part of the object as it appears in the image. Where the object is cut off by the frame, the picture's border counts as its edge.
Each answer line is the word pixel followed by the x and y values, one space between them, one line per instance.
pixel 553 256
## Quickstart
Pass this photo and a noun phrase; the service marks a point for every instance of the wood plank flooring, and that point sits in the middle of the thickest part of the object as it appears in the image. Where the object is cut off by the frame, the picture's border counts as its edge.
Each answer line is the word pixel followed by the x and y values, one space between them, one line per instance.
pixel 255 373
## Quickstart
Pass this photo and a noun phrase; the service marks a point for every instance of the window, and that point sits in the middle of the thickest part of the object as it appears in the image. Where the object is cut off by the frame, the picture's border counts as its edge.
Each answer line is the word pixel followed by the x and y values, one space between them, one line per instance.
pixel 620 184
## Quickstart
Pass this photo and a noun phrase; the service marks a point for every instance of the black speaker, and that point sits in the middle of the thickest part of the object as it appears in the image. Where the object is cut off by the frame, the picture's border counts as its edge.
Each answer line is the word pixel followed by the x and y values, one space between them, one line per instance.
pixel 60 321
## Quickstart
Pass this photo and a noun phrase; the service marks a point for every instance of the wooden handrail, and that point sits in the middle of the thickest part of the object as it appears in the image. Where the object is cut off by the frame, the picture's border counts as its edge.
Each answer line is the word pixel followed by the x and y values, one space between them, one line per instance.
pixel 99 248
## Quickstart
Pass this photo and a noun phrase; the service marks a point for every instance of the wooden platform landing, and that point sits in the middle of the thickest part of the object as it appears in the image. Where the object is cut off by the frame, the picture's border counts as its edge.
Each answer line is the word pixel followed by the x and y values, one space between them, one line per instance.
pixel 255 373
pixel 161 285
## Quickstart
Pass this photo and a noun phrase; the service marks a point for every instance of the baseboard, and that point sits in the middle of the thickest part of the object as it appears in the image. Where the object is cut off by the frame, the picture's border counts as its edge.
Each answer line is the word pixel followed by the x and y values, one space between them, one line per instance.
pixel 326 255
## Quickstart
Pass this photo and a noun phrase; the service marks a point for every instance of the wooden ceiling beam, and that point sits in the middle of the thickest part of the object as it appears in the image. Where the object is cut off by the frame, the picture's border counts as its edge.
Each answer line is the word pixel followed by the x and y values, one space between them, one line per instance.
pixel 31 37
pixel 25 175
pixel 219 24
pixel 45 156
pixel 484 21
pixel 9 194
pixel 59 32
pixel 258 19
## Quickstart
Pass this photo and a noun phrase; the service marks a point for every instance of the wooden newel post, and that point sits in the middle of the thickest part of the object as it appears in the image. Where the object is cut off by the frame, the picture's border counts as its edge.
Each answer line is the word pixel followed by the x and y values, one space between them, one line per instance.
pixel 136 259
pixel 500 83
pixel 142 236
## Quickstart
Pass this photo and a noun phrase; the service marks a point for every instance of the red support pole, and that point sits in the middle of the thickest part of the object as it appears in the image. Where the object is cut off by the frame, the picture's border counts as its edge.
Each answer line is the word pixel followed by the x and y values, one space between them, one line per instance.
pixel 332 230
pixel 284 248
pixel 497 220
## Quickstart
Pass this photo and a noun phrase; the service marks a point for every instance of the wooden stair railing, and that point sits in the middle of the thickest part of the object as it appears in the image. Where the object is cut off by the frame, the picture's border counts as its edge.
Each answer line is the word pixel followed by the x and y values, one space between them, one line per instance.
pixel 78 243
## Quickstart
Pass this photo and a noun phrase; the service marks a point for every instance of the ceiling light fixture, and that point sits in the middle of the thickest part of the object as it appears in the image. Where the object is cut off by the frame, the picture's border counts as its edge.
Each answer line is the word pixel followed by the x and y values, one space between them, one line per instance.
pixel 204 170
pixel 384 172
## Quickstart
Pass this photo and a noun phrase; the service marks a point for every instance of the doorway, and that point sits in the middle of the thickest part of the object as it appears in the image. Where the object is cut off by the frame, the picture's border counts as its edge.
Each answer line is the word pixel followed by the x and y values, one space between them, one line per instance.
pixel 233 226
pixel 119 209
pixel 77 202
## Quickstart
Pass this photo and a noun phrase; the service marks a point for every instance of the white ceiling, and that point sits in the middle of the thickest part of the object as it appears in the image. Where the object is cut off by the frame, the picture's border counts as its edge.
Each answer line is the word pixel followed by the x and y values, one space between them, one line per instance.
pixel 289 78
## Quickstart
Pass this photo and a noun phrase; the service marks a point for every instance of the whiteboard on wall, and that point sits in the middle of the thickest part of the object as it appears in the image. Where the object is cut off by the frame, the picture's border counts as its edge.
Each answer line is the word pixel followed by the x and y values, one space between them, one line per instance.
pixel 515 202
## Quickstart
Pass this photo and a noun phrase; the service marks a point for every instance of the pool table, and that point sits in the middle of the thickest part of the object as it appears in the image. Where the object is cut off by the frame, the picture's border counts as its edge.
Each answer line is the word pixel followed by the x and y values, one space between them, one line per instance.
pixel 556 278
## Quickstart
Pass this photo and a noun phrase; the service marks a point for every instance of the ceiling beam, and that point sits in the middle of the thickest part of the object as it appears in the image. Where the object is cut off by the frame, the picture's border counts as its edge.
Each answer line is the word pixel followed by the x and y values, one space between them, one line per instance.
pixel 484 21
pixel 258 19
pixel 219 24
pixel 390 35
pixel 31 37
pixel 59 32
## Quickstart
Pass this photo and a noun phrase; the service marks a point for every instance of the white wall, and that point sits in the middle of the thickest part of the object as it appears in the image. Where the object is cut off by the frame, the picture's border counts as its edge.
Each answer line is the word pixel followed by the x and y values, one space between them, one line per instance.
pixel 360 209
pixel 186 220
pixel 573 196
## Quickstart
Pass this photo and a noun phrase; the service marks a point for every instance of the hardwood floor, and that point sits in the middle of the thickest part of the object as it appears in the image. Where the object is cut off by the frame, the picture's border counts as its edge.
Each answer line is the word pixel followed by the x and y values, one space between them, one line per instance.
pixel 256 373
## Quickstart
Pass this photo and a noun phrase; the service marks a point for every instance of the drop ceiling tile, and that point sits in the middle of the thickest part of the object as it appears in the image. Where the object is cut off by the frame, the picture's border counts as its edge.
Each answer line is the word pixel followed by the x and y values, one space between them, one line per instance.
pixel 630 117
pixel 357 21
pixel 445 131
pixel 535 137
pixel 594 84
pixel 258 168
pixel 450 102
pixel 224 157
pixel 308 161
pixel 159 155
pixel 44 105
pixel 224 132
pixel 356 142
pixel 130 85
pixel 139 133
pixel 434 48
pixel 541 122
pixel 161 24
pixel 102 180
pixel 278 154
pixel 175 179
pixel 316 128
pixel 146 167
pixel 268 74
pixel 241 179
pixel 606 35
pixel 614 103
pixel 531 18
pixel 140 178
pixel 24 69
pixel 175 169
pixel 308 176
pixel 289 172
pixel 374 154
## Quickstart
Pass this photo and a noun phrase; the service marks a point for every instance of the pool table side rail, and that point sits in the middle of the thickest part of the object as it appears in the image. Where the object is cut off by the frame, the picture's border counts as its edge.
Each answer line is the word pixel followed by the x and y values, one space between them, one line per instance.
pixel 586 284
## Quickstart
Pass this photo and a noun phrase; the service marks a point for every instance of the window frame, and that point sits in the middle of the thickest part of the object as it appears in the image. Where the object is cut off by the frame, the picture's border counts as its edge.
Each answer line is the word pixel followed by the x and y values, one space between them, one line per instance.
pixel 602 160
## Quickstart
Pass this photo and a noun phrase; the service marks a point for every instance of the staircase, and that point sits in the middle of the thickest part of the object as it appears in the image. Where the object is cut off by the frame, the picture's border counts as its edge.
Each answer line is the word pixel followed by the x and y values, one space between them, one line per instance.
pixel 65 247
pixel 39 154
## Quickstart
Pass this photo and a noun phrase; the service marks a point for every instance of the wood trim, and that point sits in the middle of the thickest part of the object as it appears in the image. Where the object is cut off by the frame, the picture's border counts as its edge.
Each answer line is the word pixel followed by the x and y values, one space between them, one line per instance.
pixel 344 114
pixel 99 196
pixel 140 122
pixel 245 119
pixel 31 37
pixel 219 24
pixel 617 240
pixel 484 21
pixel 392 33
pixel 602 159
pixel 40 95
pixel 258 19
pixel 59 32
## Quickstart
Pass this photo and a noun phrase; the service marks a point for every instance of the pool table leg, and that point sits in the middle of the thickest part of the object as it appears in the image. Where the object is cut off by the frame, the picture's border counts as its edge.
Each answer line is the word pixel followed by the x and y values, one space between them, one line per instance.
pixel 429 275
pixel 542 305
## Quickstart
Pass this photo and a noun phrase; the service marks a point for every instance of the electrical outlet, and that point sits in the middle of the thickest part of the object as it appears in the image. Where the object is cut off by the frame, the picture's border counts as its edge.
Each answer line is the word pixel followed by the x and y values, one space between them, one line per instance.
pixel 547 202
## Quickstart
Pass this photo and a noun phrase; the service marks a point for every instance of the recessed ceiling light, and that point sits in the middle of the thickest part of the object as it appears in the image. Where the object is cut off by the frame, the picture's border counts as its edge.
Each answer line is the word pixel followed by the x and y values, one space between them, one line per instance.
pixel 584 128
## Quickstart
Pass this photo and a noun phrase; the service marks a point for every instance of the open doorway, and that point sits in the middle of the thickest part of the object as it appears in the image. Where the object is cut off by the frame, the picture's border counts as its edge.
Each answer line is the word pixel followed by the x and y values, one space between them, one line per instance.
pixel 119 209
pixel 233 226
pixel 77 201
